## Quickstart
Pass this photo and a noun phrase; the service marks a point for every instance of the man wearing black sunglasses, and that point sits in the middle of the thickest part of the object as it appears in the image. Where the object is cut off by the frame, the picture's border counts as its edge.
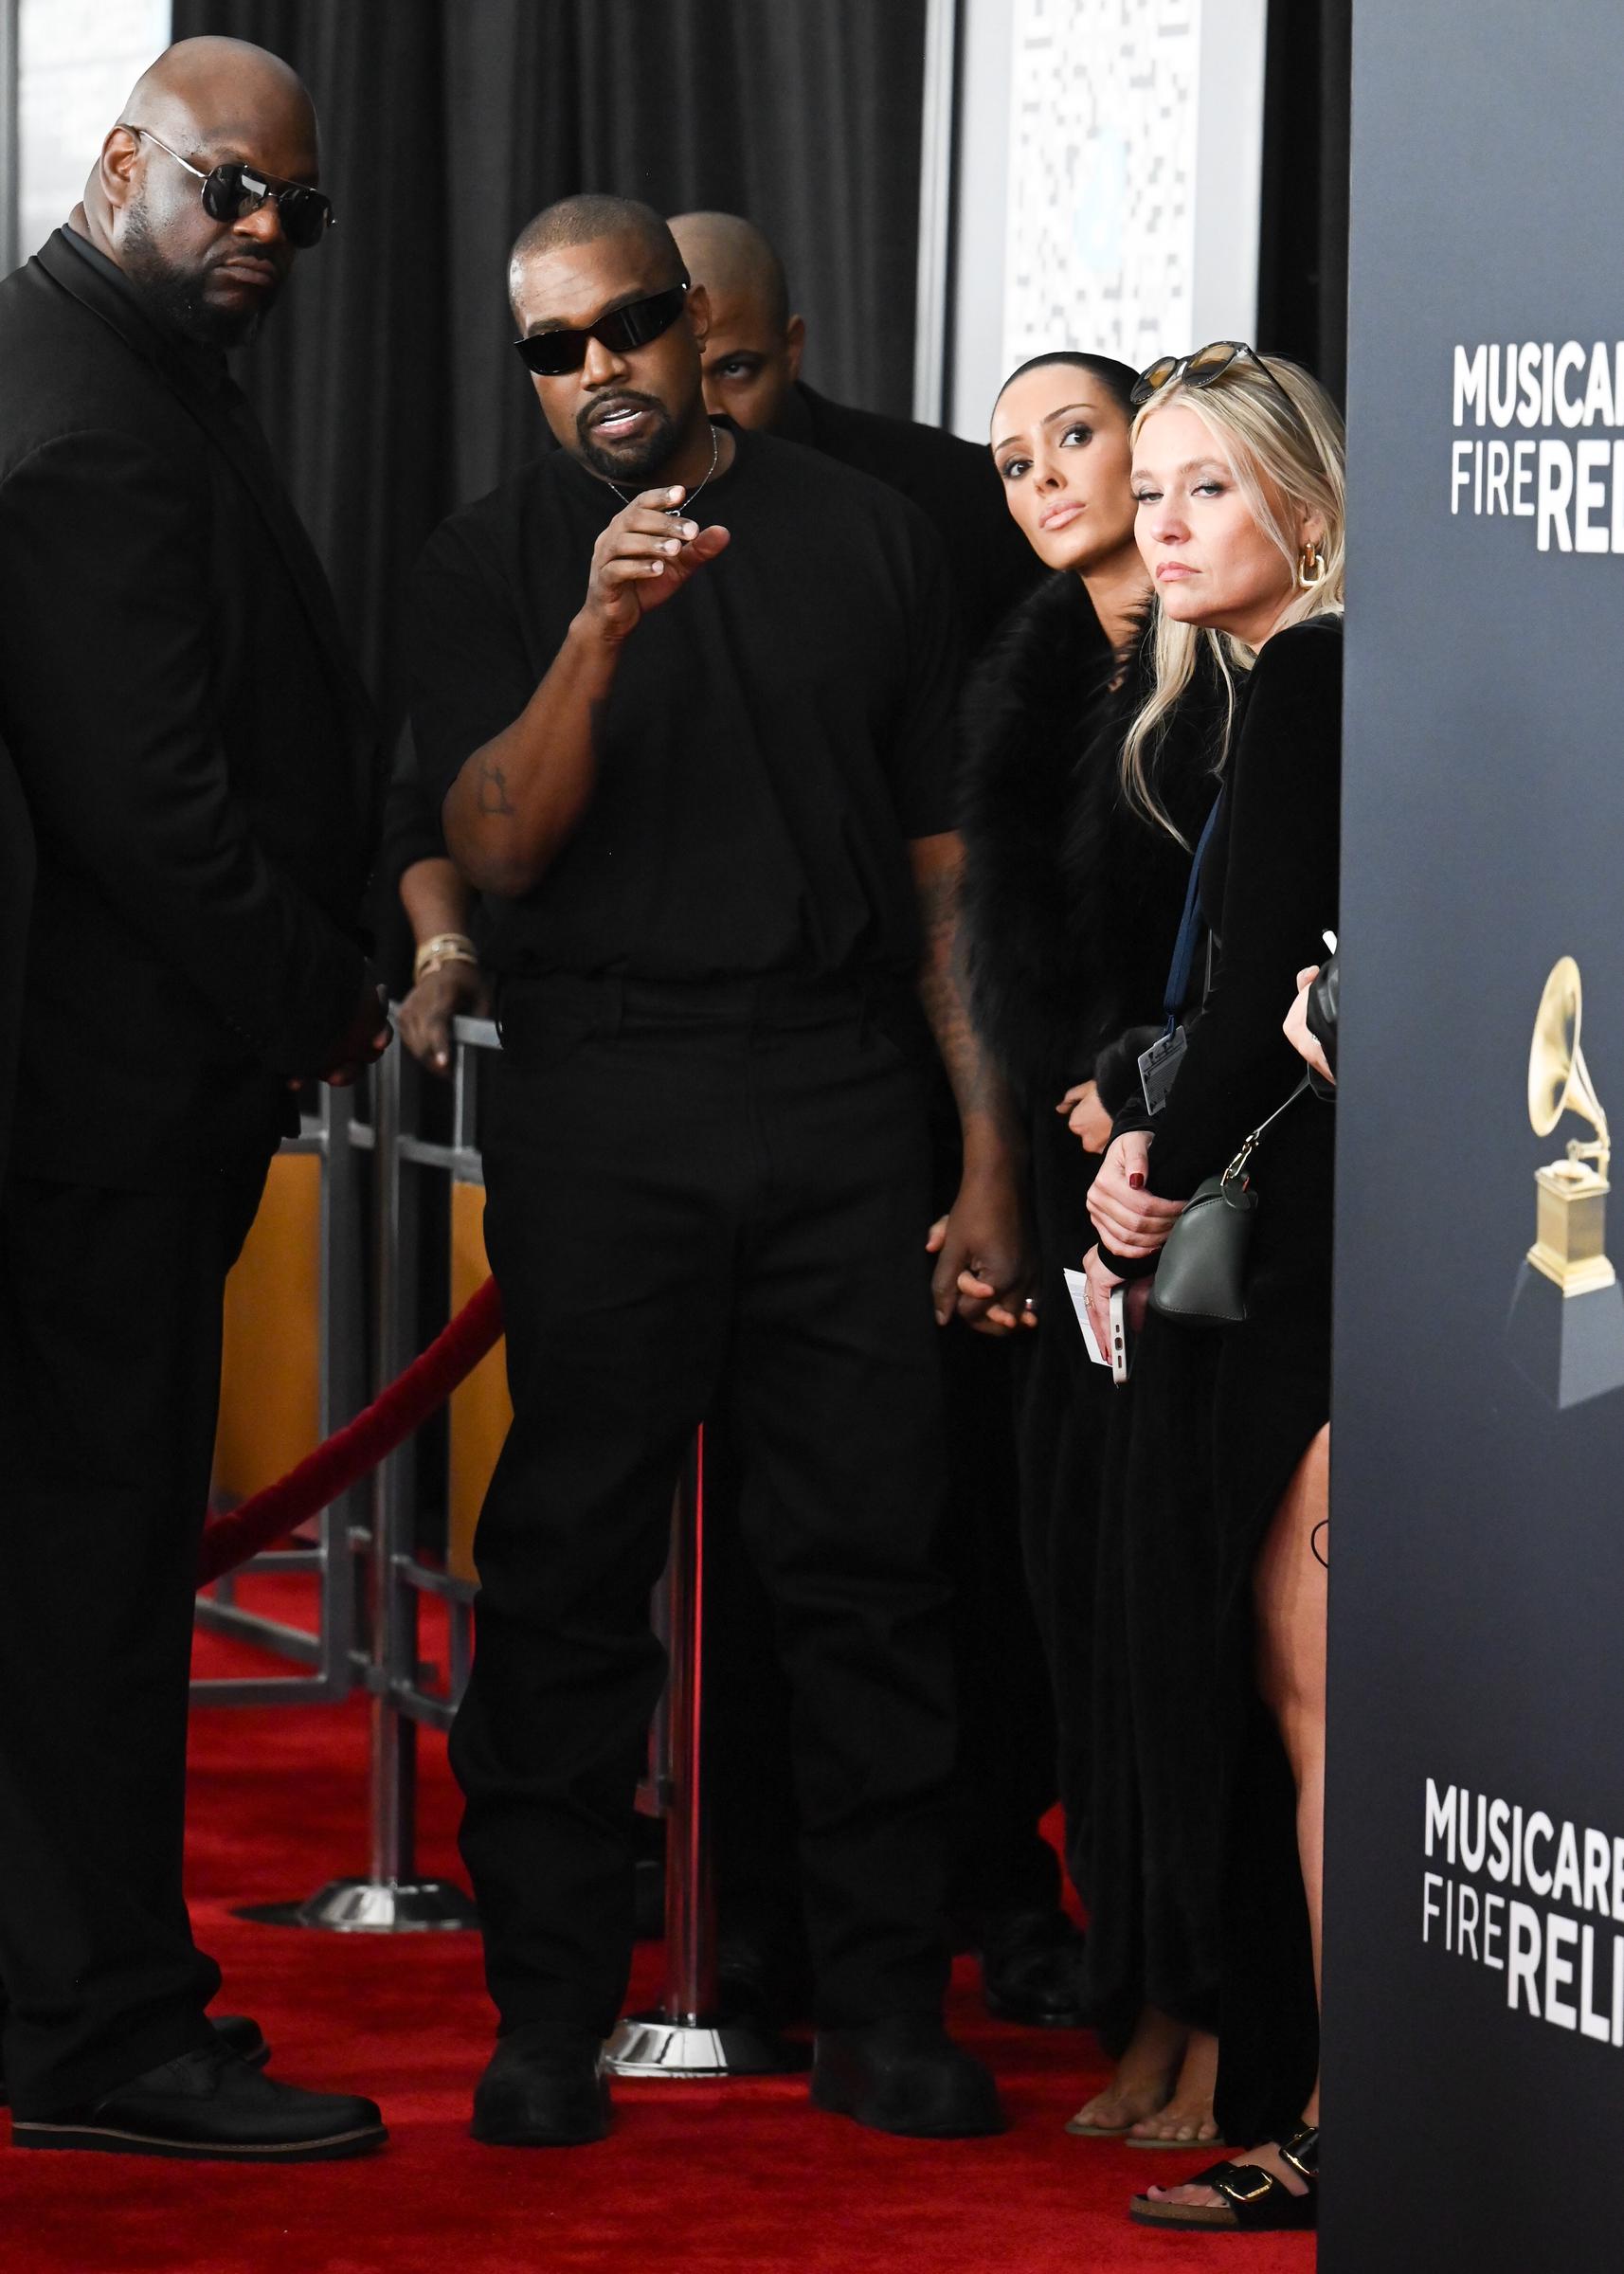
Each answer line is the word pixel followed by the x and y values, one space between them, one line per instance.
pixel 199 767
pixel 683 702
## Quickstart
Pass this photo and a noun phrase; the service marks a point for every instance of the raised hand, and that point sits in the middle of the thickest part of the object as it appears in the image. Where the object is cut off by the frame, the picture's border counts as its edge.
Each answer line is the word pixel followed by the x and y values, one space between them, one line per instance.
pixel 641 560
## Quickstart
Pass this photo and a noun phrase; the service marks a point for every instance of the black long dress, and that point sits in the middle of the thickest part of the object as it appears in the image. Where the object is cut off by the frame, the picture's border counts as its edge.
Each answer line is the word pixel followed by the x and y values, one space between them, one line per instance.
pixel 1221 1416
pixel 1070 906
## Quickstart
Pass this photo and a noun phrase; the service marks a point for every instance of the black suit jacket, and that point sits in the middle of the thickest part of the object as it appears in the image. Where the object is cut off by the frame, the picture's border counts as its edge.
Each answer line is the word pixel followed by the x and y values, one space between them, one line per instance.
pixel 197 754
pixel 955 484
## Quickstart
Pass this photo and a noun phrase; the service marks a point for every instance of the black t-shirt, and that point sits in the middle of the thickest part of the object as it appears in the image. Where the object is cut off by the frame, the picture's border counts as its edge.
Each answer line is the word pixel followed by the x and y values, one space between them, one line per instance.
pixel 955 484
pixel 775 733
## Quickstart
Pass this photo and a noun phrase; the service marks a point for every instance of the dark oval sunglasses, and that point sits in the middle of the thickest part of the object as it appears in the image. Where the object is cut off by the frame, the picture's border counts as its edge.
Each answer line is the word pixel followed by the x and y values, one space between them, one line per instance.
pixel 555 352
pixel 1200 369
pixel 235 188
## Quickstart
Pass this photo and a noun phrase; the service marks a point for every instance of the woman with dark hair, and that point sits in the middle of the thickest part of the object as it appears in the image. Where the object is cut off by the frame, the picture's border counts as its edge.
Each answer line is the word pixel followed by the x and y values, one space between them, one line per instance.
pixel 1071 899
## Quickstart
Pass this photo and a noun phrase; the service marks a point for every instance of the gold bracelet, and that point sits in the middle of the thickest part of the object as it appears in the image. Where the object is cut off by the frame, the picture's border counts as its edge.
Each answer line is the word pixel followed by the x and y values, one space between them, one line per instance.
pixel 446 947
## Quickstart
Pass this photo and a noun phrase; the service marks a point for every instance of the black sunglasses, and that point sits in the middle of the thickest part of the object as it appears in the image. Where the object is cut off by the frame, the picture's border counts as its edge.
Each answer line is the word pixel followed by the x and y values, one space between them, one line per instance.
pixel 1200 369
pixel 235 188
pixel 553 353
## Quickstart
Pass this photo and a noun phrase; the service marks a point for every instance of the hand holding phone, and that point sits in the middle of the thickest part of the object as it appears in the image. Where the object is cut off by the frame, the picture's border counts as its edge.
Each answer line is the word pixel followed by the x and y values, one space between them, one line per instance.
pixel 1120 1355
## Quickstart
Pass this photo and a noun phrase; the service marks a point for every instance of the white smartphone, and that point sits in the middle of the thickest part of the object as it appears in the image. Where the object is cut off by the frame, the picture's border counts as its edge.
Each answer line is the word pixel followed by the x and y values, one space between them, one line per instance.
pixel 1121 1356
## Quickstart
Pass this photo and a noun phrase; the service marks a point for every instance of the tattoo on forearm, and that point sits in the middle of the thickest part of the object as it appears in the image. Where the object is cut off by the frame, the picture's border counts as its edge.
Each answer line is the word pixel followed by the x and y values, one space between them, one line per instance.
pixel 494 800
pixel 975 1082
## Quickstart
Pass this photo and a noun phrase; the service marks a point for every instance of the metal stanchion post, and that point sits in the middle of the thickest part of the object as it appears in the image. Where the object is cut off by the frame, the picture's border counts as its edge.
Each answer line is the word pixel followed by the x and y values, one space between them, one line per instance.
pixel 686 2036
pixel 390 1900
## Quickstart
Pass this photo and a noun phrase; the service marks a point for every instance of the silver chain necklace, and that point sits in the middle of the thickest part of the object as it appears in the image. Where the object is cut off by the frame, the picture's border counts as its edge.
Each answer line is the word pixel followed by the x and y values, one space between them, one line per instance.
pixel 673 510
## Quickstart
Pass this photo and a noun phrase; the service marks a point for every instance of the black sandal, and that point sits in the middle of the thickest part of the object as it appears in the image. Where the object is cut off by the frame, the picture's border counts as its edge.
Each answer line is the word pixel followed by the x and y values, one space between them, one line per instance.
pixel 1254 2200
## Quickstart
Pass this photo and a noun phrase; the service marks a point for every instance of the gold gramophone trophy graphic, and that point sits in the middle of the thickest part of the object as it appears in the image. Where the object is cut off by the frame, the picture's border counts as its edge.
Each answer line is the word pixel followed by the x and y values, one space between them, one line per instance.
pixel 1566 1329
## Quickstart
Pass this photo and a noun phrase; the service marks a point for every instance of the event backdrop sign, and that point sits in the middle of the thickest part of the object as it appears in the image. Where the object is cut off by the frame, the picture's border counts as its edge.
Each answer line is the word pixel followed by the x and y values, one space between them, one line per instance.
pixel 1474 2022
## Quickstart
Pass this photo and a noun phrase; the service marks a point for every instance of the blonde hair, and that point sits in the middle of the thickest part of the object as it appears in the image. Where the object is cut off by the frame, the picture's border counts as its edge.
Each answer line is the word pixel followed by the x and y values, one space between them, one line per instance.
pixel 1283 466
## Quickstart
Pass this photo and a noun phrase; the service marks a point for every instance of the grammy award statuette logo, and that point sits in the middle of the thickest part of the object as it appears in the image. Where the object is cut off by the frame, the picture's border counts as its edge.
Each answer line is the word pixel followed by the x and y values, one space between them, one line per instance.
pixel 1566 1328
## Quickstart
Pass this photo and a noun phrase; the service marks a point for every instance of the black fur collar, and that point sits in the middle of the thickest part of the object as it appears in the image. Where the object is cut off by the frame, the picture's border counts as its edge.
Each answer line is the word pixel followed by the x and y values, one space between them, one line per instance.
pixel 1071 897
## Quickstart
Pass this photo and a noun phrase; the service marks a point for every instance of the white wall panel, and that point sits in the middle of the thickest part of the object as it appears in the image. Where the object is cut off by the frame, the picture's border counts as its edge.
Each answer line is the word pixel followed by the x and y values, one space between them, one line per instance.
pixel 1109 161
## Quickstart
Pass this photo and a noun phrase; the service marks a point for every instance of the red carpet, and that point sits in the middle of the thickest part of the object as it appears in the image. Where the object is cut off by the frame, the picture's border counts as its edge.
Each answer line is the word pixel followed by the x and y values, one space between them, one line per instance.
pixel 741 2177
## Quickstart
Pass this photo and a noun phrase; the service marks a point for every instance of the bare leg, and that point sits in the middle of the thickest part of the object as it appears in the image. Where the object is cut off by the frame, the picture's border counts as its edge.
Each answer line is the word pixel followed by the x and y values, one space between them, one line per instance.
pixel 1146 2076
pixel 1289 1589
pixel 1289 1594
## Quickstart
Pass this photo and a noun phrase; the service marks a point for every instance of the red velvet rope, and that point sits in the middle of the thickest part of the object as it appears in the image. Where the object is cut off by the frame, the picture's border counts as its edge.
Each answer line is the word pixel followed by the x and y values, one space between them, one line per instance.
pixel 348 1455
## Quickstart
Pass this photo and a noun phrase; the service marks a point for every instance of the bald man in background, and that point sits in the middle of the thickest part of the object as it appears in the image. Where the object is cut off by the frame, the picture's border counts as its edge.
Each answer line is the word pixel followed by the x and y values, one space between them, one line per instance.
pixel 752 376
pixel 1007 1882
pixel 198 763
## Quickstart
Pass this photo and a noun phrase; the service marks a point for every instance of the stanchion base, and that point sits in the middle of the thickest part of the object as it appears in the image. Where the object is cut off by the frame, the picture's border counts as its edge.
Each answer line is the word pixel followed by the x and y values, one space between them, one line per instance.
pixel 371 1906
pixel 647 2045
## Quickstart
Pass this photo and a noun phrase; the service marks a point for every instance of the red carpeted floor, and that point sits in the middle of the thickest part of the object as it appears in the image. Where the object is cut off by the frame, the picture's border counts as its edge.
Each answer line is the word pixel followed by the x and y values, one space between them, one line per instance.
pixel 742 2177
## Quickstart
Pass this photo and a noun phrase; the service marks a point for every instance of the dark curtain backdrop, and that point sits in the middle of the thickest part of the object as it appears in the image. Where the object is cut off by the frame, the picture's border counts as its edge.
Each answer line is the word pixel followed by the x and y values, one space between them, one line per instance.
pixel 385 381
pixel 1302 281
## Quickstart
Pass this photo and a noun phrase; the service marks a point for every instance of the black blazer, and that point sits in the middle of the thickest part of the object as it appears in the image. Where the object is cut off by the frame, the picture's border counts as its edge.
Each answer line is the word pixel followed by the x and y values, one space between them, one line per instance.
pixel 197 754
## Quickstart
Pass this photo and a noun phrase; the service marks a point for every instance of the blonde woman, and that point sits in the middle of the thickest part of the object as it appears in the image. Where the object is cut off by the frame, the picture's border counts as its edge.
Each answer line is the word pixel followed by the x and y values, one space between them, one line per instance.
pixel 1238 470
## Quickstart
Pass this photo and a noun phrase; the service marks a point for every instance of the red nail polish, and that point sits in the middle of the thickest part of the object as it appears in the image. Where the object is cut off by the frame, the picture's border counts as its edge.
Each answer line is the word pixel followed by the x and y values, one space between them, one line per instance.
pixel 1137 1180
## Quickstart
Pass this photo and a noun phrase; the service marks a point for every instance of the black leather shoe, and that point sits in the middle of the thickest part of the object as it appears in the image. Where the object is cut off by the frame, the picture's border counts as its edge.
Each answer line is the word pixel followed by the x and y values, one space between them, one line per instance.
pixel 239 2030
pixel 543 2088
pixel 904 2074
pixel 242 2033
pixel 1031 1970
pixel 208 2106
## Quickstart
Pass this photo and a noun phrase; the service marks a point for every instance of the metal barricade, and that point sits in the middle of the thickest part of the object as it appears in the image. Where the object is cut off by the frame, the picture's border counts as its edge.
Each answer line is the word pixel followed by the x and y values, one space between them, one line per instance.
pixel 390 1898
pixel 337 1135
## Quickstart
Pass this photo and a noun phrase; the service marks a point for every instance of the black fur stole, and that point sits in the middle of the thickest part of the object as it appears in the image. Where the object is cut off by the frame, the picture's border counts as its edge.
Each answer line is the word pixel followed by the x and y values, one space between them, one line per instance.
pixel 1071 897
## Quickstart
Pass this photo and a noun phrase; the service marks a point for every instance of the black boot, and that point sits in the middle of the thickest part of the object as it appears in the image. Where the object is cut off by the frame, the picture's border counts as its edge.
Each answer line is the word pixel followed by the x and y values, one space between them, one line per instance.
pixel 1031 1968
pixel 543 2088
pixel 210 2106
pixel 904 2074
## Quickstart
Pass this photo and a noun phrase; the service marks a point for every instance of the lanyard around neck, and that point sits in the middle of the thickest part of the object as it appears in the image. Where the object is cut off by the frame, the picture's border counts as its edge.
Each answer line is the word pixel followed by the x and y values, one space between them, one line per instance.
pixel 1189 927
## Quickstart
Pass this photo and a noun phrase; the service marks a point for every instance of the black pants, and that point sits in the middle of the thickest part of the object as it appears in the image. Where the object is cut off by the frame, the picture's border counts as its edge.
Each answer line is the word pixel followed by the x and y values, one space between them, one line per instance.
pixel 110 1307
pixel 1005 1781
pixel 688 1188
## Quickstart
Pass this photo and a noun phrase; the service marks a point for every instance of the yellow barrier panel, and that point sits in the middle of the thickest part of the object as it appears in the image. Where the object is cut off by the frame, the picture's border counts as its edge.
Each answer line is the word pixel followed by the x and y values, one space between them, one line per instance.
pixel 479 1409
pixel 270 1388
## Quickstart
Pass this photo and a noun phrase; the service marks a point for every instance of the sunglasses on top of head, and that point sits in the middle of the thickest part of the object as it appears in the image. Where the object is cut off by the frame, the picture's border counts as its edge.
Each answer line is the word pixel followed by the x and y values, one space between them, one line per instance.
pixel 1200 369
pixel 235 188
pixel 555 353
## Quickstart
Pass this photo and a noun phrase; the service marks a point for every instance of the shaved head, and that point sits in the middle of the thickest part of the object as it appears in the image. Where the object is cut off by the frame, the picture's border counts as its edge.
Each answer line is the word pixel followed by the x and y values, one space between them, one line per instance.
pixel 583 220
pixel 753 354
pixel 730 257
pixel 205 102
pixel 227 90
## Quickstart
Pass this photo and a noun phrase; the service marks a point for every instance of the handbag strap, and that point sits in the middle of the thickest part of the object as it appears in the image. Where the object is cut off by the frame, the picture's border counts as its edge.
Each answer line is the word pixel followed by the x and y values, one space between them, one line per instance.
pixel 1238 1167
pixel 1189 927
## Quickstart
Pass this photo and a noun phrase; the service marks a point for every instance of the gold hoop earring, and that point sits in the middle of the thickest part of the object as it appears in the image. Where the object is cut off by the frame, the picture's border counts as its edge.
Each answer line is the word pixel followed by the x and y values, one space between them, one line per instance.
pixel 1311 567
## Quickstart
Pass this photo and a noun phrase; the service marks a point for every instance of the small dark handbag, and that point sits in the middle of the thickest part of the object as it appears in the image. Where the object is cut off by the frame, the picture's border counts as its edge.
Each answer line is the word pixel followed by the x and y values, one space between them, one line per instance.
pixel 1201 1281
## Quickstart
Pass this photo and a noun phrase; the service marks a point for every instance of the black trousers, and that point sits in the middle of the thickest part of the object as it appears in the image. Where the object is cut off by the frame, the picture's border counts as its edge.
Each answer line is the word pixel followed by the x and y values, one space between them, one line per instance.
pixel 689 1187
pixel 110 1307
pixel 1004 1780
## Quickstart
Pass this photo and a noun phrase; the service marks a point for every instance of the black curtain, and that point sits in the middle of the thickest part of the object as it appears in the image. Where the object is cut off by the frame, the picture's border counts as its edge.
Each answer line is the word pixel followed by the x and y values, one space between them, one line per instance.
pixel 385 381
pixel 1302 281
